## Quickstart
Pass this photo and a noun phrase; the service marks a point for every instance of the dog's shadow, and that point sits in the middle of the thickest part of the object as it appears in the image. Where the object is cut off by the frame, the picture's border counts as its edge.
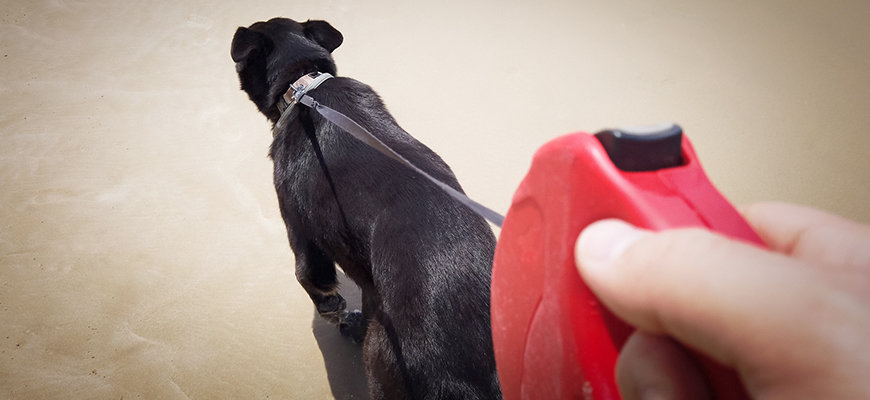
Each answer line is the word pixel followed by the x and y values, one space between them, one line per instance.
pixel 343 358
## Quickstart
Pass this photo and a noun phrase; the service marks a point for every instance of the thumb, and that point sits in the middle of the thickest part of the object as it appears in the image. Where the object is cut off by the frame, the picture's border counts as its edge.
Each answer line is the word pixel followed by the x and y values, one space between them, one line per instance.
pixel 711 293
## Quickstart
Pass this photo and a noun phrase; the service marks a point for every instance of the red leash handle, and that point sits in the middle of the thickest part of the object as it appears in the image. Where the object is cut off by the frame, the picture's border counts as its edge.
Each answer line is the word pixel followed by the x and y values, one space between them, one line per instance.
pixel 553 340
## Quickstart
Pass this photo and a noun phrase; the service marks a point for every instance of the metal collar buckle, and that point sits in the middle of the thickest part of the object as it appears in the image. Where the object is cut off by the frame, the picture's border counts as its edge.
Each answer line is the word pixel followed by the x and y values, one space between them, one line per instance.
pixel 298 89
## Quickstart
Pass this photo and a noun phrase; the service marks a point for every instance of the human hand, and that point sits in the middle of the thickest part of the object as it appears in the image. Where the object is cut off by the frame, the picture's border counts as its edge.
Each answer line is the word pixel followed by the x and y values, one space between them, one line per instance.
pixel 792 321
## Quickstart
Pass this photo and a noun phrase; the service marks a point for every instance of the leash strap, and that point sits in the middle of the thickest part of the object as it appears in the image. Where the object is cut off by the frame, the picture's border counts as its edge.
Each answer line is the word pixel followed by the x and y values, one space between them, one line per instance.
pixel 358 132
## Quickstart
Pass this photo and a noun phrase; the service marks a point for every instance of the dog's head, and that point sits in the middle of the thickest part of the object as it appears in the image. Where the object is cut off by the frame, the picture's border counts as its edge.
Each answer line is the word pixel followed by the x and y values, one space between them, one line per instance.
pixel 271 55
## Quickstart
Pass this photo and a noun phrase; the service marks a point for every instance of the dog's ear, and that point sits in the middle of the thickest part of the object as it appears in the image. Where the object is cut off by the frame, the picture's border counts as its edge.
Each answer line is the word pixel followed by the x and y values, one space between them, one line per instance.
pixel 246 45
pixel 323 33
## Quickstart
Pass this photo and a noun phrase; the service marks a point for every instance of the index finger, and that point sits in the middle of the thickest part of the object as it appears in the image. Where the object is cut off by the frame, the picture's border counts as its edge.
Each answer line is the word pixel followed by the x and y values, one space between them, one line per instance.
pixel 810 234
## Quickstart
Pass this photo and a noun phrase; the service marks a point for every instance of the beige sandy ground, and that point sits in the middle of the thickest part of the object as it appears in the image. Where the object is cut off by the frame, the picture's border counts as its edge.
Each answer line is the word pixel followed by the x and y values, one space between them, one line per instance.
pixel 141 252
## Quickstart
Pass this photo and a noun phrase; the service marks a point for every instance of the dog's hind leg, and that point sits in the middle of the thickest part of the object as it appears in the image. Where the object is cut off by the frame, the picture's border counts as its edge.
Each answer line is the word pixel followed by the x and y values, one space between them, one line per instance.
pixel 385 374
pixel 315 271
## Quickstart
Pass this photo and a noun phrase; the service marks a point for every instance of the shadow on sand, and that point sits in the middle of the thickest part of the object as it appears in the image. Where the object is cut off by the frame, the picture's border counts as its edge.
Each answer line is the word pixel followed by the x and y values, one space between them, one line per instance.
pixel 343 359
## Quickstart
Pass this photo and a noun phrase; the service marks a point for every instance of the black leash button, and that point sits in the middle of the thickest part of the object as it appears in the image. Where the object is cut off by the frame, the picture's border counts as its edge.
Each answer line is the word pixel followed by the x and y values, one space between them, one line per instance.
pixel 645 148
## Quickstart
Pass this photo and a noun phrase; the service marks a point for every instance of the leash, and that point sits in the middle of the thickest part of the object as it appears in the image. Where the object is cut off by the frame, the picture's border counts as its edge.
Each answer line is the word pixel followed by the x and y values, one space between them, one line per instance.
pixel 311 81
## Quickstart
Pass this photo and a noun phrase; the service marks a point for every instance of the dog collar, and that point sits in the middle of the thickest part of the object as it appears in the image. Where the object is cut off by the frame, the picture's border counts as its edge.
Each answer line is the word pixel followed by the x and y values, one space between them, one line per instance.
pixel 298 89
pixel 292 96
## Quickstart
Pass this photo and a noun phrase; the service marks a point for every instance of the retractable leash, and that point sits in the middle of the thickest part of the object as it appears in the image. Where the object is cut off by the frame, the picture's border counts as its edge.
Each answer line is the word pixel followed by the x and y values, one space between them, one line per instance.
pixel 552 338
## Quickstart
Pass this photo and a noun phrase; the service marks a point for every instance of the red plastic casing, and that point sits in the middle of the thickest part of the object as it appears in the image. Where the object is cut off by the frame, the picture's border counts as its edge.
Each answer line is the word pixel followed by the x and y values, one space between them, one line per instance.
pixel 553 340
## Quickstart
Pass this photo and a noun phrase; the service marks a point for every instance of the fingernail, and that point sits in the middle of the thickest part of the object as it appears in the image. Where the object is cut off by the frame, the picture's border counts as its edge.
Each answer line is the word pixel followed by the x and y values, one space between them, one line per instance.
pixel 604 241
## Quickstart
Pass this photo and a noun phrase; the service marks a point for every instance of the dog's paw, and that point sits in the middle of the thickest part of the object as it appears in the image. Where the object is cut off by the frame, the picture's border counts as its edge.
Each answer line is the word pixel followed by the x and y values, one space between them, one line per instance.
pixel 353 325
pixel 332 307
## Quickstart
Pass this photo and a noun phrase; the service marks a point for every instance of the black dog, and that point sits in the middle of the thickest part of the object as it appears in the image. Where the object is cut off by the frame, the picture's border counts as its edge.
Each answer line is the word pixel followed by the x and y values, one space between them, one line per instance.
pixel 423 261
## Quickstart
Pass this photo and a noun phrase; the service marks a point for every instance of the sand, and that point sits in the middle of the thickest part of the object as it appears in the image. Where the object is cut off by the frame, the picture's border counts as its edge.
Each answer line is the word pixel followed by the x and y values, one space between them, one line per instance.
pixel 141 250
